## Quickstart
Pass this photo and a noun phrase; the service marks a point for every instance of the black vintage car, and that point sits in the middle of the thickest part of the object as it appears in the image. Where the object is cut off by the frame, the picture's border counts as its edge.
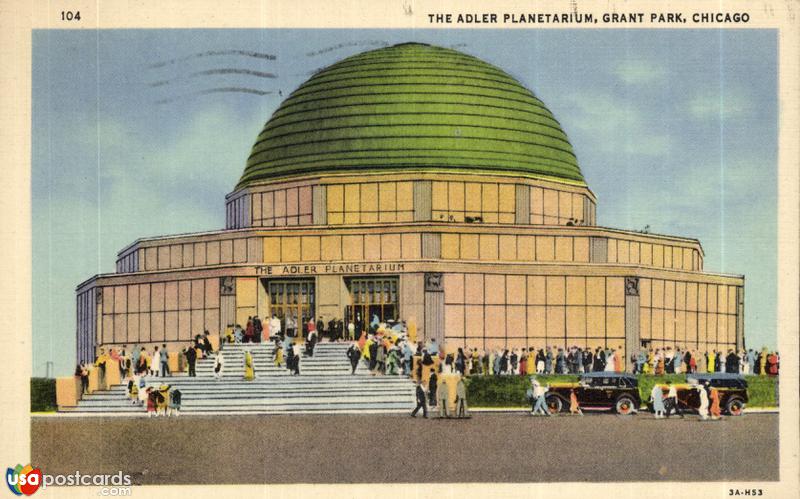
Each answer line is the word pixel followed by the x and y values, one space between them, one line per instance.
pixel 597 391
pixel 732 390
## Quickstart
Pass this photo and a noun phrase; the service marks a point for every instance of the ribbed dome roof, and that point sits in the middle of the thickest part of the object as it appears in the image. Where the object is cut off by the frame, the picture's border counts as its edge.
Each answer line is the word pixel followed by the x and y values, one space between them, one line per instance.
pixel 412 107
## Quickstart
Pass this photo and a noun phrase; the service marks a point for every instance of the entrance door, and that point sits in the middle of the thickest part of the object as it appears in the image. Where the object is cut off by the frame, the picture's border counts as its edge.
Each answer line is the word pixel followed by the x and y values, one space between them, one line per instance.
pixel 372 297
pixel 292 298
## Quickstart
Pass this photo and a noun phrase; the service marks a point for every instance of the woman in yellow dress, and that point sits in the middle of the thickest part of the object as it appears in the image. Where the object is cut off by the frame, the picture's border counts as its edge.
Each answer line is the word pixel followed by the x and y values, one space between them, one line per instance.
pixel 762 367
pixel 162 400
pixel 249 370
pixel 531 360
pixel 365 349
pixel 278 356
pixel 647 365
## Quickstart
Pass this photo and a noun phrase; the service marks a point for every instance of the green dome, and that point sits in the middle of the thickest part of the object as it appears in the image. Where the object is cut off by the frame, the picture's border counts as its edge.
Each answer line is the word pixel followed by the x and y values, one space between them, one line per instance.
pixel 412 107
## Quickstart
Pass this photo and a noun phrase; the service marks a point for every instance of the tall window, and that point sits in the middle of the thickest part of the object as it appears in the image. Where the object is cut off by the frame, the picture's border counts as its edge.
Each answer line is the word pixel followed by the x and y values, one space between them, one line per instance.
pixel 372 297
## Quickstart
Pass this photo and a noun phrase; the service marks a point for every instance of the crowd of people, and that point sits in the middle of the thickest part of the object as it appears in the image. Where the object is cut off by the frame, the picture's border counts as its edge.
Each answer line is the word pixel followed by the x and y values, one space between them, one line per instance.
pixel 162 401
pixel 140 369
pixel 383 354
pixel 391 349
pixel 668 361
pixel 437 395
pixel 333 330
pixel 708 396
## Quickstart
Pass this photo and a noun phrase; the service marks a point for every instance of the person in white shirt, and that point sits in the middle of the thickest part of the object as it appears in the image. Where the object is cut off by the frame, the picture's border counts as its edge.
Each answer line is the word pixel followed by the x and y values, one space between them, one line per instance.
pixel 610 367
pixel 296 350
pixel 658 401
pixel 539 393
pixel 274 327
pixel 672 400
pixel 703 409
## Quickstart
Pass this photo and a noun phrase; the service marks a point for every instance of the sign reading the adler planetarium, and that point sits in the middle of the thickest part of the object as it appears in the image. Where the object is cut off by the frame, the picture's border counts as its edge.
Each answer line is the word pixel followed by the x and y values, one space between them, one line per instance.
pixel 331 268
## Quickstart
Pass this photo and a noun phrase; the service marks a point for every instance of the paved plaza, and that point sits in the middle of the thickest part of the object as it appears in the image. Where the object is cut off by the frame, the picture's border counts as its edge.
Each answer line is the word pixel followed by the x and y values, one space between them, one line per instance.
pixel 496 447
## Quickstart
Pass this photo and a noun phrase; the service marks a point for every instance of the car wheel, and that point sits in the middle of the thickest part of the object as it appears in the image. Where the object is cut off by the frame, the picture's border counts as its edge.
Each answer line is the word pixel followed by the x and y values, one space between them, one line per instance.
pixel 554 404
pixel 625 405
pixel 735 407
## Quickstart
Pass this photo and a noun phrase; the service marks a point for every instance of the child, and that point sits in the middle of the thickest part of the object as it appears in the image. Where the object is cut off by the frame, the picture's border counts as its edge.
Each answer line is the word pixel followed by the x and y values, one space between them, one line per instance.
pixel 142 392
pixel 133 389
pixel 573 404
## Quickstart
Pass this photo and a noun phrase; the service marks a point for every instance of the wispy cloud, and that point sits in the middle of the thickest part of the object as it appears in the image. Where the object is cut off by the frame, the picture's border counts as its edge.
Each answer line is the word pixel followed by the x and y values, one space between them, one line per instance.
pixel 719 105
pixel 639 72
pixel 616 126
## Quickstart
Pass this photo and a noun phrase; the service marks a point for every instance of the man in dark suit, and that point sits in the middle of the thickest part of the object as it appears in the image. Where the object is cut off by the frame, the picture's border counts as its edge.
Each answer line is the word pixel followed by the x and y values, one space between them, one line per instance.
pixel 420 392
pixel 191 358
pixel 732 362
pixel 258 327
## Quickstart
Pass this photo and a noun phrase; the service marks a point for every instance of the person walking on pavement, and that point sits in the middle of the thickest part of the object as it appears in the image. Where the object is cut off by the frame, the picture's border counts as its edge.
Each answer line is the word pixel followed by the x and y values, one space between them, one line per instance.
pixel 715 409
pixel 442 397
pixel 461 399
pixel 538 392
pixel 432 389
pixel 421 402
pixel 671 404
pixel 657 397
pixel 703 395
pixel 574 407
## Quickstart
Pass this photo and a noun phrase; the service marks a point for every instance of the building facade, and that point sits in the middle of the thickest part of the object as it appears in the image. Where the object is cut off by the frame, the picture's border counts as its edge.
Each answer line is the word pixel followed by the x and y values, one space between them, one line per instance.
pixel 417 183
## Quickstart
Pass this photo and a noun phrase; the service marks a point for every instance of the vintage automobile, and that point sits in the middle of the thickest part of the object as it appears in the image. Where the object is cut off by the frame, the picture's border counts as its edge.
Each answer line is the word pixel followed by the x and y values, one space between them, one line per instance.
pixel 597 391
pixel 732 392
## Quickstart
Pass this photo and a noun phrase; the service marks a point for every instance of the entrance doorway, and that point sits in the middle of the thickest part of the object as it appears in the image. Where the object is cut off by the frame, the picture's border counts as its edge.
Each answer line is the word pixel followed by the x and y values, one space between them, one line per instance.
pixel 292 298
pixel 370 297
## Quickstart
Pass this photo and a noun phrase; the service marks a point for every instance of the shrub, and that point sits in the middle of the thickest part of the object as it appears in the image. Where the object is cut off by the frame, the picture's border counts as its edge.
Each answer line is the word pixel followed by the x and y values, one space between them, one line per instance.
pixel 43 394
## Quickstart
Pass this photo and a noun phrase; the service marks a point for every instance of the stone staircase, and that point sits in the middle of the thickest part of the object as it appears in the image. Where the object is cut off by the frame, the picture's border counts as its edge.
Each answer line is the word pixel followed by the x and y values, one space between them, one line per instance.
pixel 324 386
pixel 328 359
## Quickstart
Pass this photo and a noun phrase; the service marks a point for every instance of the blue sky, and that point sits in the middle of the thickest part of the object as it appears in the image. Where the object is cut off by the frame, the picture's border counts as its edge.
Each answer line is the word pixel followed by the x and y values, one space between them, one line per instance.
pixel 676 129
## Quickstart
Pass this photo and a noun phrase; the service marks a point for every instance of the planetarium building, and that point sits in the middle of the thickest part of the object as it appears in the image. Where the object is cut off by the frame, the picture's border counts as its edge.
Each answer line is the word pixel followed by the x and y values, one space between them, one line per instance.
pixel 419 183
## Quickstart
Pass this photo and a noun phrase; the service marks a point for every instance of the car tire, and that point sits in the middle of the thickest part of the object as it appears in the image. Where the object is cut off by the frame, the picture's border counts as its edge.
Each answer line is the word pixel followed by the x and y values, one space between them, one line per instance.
pixel 735 406
pixel 625 405
pixel 554 404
